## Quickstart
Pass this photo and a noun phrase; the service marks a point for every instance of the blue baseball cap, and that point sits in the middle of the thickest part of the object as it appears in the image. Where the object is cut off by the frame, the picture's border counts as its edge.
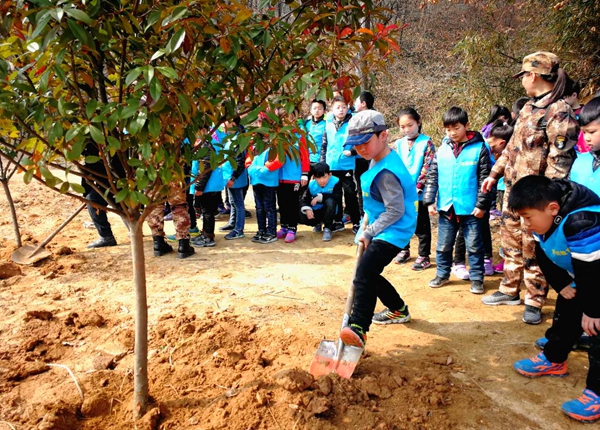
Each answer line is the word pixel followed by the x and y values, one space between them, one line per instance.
pixel 363 125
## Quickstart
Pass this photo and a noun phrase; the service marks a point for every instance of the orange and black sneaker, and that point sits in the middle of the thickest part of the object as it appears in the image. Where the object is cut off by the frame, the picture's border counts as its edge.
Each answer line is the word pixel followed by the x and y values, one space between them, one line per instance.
pixel 388 316
pixel 586 408
pixel 354 335
pixel 539 365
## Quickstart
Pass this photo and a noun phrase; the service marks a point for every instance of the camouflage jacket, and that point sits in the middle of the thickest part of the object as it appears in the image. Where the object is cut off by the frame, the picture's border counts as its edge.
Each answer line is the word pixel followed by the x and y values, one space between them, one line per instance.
pixel 542 144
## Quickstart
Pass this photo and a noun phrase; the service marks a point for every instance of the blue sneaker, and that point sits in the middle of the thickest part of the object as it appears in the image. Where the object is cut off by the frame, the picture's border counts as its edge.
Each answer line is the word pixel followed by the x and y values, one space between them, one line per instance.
pixel 194 231
pixel 234 234
pixel 583 344
pixel 539 365
pixel 586 408
pixel 541 343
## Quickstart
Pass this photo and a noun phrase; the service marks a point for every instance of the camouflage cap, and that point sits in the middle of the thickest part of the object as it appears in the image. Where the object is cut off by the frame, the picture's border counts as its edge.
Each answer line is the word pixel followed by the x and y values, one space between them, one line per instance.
pixel 544 63
pixel 363 125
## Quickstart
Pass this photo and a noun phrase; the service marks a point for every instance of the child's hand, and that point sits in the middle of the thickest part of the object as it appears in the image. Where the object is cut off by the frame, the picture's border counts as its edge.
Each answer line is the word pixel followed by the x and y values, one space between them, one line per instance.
pixel 314 201
pixel 478 213
pixel 568 292
pixel 347 153
pixel 431 210
pixel 310 214
pixel 230 183
pixel 590 325
pixel 364 240
pixel 488 184
pixel 304 180
pixel 198 193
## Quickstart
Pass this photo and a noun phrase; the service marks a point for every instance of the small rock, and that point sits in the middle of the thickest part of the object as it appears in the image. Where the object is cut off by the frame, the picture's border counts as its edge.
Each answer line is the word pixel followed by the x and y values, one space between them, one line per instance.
pixel 149 421
pixel 38 315
pixel 8 270
pixel 64 250
pixel 92 319
pixel 325 385
pixel 103 362
pixel 294 379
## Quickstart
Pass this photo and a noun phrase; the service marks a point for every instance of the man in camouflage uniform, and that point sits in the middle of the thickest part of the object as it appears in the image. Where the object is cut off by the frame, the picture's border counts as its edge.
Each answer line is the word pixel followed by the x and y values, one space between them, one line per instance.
pixel 542 144
pixel 181 220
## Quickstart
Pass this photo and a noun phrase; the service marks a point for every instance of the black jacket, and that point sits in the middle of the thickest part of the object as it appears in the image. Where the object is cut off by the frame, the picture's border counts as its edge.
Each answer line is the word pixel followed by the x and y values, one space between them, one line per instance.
pixel 484 166
pixel 335 194
pixel 584 225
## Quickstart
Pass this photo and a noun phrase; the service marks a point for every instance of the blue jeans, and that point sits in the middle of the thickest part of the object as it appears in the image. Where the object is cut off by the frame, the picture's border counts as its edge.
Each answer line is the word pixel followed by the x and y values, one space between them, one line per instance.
pixel 447 230
pixel 237 217
pixel 266 215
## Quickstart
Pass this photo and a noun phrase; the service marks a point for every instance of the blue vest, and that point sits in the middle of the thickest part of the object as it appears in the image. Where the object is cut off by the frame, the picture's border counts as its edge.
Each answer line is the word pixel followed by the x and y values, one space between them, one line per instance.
pixel 583 173
pixel 228 170
pixel 292 168
pixel 216 183
pixel 457 178
pixel 413 159
pixel 501 185
pixel 557 248
pixel 336 144
pixel 314 188
pixel 315 131
pixel 401 231
pixel 259 174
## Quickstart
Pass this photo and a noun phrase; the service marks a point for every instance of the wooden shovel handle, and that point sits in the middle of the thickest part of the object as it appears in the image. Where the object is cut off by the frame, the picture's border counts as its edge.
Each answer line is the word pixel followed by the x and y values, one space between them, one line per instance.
pixel 59 228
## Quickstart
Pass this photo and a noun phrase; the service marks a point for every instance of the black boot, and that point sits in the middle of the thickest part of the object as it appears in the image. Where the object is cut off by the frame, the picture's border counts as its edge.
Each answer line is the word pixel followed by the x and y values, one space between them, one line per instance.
pixel 185 250
pixel 160 246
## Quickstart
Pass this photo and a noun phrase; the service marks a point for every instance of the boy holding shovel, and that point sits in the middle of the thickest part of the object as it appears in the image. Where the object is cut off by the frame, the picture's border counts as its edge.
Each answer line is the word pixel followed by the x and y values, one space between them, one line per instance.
pixel 390 201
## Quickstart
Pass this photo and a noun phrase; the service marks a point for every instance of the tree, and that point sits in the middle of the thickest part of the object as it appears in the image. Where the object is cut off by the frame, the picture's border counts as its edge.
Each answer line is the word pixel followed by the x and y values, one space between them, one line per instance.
pixel 125 82
pixel 7 170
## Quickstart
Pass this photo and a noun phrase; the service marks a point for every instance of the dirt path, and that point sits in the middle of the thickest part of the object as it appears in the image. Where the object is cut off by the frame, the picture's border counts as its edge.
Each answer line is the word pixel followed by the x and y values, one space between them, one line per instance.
pixel 229 325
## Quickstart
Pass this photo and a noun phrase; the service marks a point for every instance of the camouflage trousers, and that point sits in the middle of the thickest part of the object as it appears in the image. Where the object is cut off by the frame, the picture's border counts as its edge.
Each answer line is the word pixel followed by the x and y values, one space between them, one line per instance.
pixel 181 216
pixel 520 264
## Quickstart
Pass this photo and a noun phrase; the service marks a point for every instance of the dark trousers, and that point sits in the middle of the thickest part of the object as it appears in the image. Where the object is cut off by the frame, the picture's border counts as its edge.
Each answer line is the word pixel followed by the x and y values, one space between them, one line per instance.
pixel 325 215
pixel 266 214
pixel 564 333
pixel 423 231
pixel 288 198
pixel 447 231
pixel 209 202
pixel 346 178
pixel 460 249
pixel 500 199
pixel 370 285
pixel 362 166
pixel 191 210
pixel 98 216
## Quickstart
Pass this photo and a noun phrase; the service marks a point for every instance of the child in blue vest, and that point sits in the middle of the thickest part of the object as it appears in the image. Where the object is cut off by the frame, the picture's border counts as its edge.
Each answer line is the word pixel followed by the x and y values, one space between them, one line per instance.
pixel 321 200
pixel 236 181
pixel 460 166
pixel 208 190
pixel 565 220
pixel 264 178
pixel 315 127
pixel 417 152
pixel 390 204
pixel 585 169
pixel 341 165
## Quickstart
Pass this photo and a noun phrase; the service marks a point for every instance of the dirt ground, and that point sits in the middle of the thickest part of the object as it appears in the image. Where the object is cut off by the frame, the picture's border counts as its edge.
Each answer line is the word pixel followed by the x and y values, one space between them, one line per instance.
pixel 233 330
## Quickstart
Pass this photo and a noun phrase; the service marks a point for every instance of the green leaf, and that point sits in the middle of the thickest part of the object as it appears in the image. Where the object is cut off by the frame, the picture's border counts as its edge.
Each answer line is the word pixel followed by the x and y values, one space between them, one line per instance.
pixel 177 13
pixel 148 73
pixel 146 151
pixel 175 41
pixel 169 72
pixel 91 159
pixel 155 89
pixel 114 143
pixel 136 125
pixel 64 187
pixel 78 32
pixel 142 198
pixel 133 75
pixel 184 105
pixel 154 125
pixel 40 26
pixel 28 176
pixel 121 195
pixel 134 162
pixel 57 14
pixel 78 188
pixel 97 134
pixel 76 149
pixel 152 19
pixel 157 54
pixel 90 107
pixel 151 172
pixel 79 15
pixel 56 132
pixel 129 111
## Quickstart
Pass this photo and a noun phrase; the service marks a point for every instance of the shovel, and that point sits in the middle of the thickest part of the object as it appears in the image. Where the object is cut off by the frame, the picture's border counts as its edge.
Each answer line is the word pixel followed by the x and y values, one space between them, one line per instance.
pixel 335 356
pixel 30 254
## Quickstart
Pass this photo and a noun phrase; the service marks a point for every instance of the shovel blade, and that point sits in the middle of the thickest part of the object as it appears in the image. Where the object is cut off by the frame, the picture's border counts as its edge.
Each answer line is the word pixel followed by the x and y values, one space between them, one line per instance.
pixel 27 255
pixel 325 361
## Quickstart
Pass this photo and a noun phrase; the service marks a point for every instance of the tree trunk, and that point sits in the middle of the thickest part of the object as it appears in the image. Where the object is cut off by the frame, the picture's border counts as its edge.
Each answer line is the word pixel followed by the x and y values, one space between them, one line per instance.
pixel 13 213
pixel 140 373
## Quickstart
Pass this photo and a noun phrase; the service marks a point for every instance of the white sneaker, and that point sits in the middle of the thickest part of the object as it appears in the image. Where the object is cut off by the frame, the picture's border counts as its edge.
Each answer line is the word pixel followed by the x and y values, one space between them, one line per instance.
pixel 460 271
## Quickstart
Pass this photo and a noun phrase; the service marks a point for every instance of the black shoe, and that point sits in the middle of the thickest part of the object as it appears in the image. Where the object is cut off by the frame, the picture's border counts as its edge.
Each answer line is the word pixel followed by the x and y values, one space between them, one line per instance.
pixel 227 227
pixel 268 238
pixel 338 226
pixel 438 282
pixel 185 250
pixel 258 236
pixel 477 287
pixel 101 242
pixel 160 246
pixel 203 241
pixel 532 315
pixel 355 228
pixel 248 214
